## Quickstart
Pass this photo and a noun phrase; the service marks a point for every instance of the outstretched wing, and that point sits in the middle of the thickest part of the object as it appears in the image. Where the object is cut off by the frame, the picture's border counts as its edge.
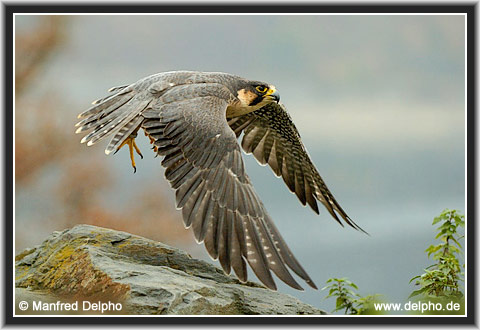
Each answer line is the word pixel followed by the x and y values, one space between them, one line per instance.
pixel 269 133
pixel 204 165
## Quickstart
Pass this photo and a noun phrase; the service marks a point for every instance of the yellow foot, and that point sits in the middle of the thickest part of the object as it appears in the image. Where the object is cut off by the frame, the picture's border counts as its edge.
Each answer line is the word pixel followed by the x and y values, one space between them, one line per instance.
pixel 130 141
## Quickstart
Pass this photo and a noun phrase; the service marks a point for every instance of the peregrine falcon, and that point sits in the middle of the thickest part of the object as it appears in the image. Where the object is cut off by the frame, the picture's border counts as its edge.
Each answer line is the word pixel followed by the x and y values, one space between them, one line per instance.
pixel 194 119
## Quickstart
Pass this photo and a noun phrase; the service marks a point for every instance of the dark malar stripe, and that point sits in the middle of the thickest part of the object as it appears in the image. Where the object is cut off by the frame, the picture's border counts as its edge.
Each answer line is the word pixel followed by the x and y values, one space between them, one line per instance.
pixel 257 100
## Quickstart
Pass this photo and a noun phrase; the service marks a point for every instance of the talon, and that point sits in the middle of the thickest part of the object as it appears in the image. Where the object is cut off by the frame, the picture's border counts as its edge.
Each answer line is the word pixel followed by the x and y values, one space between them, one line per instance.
pixel 130 141
pixel 137 149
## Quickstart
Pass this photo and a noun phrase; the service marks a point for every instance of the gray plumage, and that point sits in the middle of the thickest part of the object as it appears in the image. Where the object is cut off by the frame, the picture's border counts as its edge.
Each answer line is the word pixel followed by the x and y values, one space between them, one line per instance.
pixel 194 120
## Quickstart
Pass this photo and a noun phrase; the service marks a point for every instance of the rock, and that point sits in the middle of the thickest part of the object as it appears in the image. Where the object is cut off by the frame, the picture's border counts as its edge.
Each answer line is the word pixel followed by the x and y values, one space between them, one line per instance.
pixel 98 265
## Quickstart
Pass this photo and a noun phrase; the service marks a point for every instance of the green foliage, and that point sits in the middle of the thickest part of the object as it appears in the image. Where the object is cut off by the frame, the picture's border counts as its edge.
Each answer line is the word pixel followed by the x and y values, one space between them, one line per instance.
pixel 439 286
pixel 442 278
pixel 348 298
pixel 365 305
pixel 342 289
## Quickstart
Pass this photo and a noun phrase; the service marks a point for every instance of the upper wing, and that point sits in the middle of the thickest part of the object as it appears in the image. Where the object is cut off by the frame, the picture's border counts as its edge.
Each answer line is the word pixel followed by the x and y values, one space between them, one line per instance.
pixel 271 136
pixel 204 165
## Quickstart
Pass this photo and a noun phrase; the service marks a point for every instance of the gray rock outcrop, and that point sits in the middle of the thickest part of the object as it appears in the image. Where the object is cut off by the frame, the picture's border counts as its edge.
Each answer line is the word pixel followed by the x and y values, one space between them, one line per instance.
pixel 88 263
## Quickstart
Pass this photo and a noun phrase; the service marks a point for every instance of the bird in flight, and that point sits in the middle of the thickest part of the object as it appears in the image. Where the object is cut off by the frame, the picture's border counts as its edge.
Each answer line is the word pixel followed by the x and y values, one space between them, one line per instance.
pixel 194 119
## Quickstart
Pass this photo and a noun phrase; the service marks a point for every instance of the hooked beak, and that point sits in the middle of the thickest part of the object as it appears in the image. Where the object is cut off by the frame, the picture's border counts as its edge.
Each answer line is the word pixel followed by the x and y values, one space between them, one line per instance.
pixel 275 96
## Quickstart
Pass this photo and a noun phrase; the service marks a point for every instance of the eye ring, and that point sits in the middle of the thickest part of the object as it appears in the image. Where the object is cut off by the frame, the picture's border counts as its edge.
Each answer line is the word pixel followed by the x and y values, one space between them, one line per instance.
pixel 261 89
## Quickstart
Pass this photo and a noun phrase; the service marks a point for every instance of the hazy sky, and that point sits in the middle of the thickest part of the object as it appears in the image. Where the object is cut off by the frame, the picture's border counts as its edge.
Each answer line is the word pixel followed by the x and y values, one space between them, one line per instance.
pixel 378 100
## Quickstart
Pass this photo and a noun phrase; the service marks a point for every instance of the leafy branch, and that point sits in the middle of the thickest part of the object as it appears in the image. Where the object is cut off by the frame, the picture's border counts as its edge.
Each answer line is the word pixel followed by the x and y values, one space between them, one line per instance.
pixel 347 298
pixel 442 278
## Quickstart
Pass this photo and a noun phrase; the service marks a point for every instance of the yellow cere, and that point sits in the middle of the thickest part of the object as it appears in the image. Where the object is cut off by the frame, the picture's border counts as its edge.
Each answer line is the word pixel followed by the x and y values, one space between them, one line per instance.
pixel 271 91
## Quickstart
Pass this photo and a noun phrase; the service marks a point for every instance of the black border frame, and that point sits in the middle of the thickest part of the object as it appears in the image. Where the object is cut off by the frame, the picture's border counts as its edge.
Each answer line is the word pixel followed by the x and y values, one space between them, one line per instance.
pixel 8 12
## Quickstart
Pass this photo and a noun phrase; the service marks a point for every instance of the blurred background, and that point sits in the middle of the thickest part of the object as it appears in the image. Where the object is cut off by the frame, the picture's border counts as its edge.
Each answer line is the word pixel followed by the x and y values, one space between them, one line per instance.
pixel 378 100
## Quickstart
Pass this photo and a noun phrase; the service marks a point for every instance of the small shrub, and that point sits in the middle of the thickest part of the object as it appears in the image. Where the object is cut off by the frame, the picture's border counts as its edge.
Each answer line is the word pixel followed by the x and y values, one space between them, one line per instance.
pixel 441 280
pixel 348 299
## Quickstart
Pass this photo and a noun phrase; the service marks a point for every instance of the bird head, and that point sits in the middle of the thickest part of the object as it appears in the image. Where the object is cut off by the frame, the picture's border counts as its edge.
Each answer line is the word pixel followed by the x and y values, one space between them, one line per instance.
pixel 256 94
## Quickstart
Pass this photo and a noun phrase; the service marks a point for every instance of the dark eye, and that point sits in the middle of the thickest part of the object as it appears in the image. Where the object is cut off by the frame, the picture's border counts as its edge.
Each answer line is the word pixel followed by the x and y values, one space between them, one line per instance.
pixel 261 89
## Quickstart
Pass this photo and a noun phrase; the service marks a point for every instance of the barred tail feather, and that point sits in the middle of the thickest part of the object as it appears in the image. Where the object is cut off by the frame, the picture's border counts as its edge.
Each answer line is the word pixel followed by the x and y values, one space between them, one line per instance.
pixel 118 115
pixel 104 117
pixel 100 105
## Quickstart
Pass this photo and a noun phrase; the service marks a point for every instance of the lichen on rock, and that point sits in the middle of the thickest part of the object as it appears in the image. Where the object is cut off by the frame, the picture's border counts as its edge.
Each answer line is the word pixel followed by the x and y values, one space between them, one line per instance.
pixel 146 277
